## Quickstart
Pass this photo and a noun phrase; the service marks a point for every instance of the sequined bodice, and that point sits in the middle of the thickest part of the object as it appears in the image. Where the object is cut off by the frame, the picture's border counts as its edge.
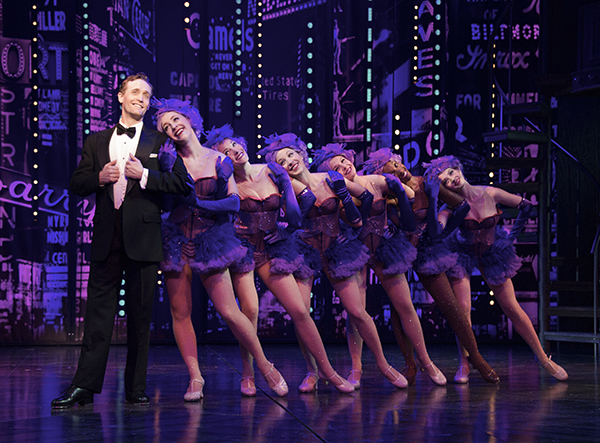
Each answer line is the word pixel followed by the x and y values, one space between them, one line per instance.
pixel 479 235
pixel 206 188
pixel 191 219
pixel 420 207
pixel 322 224
pixel 375 226
pixel 324 218
pixel 377 220
pixel 471 224
pixel 258 215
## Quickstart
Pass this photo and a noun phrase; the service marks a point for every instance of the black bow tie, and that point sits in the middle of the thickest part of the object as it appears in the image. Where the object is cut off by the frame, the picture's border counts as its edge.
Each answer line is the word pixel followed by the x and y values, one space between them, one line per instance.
pixel 123 130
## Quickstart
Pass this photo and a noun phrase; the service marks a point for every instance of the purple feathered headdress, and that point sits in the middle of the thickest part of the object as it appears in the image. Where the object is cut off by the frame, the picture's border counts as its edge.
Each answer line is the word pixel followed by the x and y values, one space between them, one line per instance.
pixel 164 105
pixel 216 136
pixel 439 165
pixel 327 152
pixel 378 159
pixel 276 143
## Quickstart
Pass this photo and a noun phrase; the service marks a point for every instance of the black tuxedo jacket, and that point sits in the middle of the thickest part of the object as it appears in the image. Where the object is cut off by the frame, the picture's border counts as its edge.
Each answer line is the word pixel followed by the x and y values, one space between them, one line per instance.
pixel 141 207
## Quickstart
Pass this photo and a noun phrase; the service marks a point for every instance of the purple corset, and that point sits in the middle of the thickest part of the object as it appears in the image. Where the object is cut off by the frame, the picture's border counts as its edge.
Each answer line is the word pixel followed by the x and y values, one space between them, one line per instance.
pixel 421 215
pixel 421 219
pixel 254 222
pixel 374 229
pixel 323 219
pixel 325 224
pixel 377 220
pixel 190 219
pixel 477 235
pixel 415 236
pixel 257 215
pixel 322 224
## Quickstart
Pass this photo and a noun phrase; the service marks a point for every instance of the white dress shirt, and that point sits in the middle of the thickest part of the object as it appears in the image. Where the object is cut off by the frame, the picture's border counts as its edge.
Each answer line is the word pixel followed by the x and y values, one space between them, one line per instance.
pixel 120 147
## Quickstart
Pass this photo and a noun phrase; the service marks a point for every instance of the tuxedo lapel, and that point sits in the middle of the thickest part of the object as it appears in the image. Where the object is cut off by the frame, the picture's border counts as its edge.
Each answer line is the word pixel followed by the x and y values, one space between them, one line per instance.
pixel 145 145
pixel 103 147
pixel 144 148
pixel 103 152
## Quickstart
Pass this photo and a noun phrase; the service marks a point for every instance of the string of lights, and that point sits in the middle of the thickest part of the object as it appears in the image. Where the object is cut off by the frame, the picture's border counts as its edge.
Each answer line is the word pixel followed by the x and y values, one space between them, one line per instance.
pixel 369 74
pixel 259 76
pixel 429 23
pixel 34 111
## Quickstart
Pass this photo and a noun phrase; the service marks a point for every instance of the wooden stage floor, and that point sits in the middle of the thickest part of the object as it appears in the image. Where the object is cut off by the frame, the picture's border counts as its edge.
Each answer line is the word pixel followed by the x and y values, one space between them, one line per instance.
pixel 527 406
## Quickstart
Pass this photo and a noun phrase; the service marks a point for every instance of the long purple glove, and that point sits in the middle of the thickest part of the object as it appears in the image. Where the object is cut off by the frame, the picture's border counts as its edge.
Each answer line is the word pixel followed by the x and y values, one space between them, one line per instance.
pixel 524 208
pixel 224 169
pixel 167 156
pixel 282 180
pixel 338 185
pixel 306 200
pixel 366 202
pixel 227 205
pixel 432 189
pixel 407 216
pixel 223 203
pixel 458 215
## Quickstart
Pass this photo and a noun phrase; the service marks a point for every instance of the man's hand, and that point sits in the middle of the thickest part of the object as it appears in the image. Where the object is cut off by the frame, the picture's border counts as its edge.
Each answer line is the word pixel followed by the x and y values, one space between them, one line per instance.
pixel 133 168
pixel 109 174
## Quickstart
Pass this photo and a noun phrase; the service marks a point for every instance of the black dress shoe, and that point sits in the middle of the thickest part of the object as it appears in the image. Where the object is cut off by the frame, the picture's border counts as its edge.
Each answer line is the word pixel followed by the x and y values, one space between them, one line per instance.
pixel 71 396
pixel 138 398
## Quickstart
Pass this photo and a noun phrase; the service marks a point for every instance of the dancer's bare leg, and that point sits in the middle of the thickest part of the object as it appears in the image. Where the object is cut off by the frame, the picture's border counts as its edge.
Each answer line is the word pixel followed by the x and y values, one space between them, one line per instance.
pixel 245 289
pixel 396 286
pixel 505 294
pixel 179 287
pixel 286 291
pixel 219 287
pixel 349 292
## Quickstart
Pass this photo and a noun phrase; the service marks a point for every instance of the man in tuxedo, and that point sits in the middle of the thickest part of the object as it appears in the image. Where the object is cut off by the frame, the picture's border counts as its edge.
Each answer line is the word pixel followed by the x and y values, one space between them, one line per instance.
pixel 121 166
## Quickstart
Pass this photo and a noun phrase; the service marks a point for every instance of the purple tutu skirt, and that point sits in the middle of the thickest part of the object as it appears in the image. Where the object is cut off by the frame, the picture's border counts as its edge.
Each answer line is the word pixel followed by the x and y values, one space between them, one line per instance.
pixel 246 263
pixel 283 256
pixel 311 265
pixel 433 257
pixel 216 248
pixel 497 267
pixel 396 254
pixel 346 259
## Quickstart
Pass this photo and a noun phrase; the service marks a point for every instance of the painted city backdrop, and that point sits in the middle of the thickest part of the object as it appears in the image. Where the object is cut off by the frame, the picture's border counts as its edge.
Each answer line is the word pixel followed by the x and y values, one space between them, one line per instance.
pixel 325 70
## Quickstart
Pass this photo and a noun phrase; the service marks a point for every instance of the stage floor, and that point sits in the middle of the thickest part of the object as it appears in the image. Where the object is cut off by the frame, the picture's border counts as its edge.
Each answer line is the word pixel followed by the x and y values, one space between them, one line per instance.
pixel 527 406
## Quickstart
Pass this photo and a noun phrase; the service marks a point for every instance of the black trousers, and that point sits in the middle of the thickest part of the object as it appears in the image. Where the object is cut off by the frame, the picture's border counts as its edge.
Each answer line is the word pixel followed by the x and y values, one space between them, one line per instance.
pixel 104 284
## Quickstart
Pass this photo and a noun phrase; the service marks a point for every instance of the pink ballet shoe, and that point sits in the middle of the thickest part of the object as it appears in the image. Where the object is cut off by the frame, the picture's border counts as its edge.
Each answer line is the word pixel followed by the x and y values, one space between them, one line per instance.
pixel 354 378
pixel 433 372
pixel 554 370
pixel 248 386
pixel 310 383
pixel 192 395
pixel 341 384
pixel 397 380
pixel 279 387
pixel 462 375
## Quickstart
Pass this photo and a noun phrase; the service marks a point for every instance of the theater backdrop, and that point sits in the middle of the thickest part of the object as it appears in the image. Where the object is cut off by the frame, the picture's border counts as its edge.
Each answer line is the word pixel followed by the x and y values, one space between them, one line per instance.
pixel 411 75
